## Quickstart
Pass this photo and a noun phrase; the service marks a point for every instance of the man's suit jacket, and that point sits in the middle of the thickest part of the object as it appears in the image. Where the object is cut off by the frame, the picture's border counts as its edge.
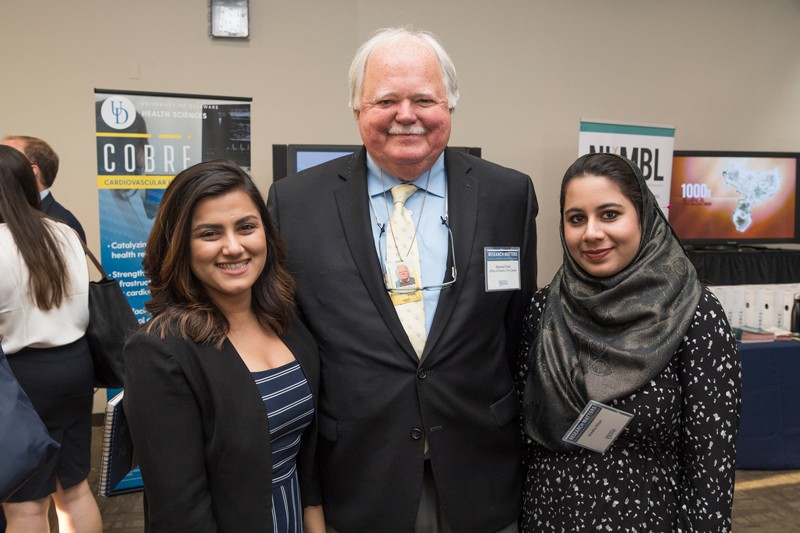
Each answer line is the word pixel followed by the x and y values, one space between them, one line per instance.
pixel 56 210
pixel 378 401
pixel 201 433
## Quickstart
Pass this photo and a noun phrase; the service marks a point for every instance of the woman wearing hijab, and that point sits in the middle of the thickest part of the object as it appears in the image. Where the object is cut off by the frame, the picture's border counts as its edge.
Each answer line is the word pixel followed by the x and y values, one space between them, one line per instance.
pixel 626 333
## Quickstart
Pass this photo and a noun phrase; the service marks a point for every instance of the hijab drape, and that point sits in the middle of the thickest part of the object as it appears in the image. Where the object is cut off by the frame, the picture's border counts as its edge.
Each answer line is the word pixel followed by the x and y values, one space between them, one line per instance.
pixel 604 338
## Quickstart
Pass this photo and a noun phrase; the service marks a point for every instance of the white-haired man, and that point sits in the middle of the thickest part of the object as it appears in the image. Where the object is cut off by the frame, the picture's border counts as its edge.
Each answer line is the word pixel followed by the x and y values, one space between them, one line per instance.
pixel 417 421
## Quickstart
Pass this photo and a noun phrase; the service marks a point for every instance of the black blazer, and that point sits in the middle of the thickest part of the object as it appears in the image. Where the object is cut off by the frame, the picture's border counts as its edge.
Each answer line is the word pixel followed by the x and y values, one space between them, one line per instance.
pixel 56 210
pixel 201 433
pixel 378 401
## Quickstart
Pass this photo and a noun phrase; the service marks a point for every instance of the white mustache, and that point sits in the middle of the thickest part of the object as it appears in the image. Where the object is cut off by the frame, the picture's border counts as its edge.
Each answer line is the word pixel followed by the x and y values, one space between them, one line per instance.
pixel 407 130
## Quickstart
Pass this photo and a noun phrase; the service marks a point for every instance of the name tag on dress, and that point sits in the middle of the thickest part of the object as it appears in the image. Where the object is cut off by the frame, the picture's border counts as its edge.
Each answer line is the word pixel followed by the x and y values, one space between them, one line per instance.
pixel 502 268
pixel 597 427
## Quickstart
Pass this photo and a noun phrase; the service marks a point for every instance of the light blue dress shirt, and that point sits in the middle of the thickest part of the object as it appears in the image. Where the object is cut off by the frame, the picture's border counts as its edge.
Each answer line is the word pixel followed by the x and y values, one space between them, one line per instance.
pixel 432 236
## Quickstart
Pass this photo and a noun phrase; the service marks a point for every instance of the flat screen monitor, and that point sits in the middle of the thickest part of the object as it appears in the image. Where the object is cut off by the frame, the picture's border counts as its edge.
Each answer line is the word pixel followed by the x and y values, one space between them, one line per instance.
pixel 302 156
pixel 734 198
pixel 289 159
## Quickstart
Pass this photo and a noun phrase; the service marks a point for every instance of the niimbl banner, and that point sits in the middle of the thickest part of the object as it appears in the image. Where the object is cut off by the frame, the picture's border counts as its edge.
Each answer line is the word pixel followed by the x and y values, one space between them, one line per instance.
pixel 650 147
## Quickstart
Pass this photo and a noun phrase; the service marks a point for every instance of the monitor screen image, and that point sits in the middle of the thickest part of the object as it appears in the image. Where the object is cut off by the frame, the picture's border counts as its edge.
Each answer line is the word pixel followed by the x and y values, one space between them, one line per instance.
pixel 734 198
pixel 301 157
pixel 311 159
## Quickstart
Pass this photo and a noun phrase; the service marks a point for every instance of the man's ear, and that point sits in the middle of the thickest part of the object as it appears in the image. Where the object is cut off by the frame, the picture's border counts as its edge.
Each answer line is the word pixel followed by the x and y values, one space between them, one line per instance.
pixel 38 173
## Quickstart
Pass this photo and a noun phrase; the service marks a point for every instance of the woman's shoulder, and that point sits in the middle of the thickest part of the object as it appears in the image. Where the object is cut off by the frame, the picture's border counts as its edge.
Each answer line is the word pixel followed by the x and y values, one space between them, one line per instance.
pixel 536 307
pixel 60 227
pixel 65 235
pixel 540 298
pixel 710 320
pixel 6 240
pixel 708 303
pixel 150 340
pixel 543 292
pixel 166 349
pixel 144 339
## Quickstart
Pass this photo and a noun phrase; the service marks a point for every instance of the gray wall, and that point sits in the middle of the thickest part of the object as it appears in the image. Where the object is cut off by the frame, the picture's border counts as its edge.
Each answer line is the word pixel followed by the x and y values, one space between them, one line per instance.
pixel 726 73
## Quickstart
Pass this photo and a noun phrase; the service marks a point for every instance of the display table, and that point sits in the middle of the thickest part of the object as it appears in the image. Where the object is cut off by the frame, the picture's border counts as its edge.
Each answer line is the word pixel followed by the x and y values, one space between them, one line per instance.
pixel 769 432
pixel 746 266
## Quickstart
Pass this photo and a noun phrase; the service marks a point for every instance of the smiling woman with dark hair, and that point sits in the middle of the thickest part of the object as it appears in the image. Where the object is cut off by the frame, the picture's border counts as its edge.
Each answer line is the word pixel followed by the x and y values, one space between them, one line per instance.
pixel 222 380
pixel 626 331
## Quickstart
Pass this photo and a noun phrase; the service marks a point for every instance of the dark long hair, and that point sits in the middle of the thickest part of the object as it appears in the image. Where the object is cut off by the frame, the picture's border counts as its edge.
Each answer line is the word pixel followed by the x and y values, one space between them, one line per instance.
pixel 179 300
pixel 34 238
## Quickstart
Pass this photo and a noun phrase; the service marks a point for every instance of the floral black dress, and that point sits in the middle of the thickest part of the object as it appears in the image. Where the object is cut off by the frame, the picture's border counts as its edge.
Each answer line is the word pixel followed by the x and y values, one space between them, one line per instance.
pixel 672 468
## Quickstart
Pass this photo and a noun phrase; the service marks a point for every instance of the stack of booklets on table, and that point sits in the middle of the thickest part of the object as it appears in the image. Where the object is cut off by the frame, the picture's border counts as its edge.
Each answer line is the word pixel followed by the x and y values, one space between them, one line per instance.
pixel 118 457
pixel 752 334
pixel 782 334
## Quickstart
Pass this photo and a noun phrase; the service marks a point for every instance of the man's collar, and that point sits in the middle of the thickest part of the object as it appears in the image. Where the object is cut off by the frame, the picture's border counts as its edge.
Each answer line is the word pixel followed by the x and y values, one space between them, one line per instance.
pixel 436 185
pixel 43 194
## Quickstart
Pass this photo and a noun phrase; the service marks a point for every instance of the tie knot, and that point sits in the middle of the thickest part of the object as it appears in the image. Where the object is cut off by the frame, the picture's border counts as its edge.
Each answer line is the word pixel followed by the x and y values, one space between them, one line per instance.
pixel 402 192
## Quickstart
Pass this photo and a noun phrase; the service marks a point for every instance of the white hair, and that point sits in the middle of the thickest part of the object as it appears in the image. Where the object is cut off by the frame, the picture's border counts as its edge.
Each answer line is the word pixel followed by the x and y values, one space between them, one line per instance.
pixel 393 35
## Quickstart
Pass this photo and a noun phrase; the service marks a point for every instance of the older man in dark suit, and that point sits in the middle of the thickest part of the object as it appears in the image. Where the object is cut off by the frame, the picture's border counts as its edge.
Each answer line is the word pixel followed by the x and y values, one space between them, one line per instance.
pixel 417 410
pixel 45 167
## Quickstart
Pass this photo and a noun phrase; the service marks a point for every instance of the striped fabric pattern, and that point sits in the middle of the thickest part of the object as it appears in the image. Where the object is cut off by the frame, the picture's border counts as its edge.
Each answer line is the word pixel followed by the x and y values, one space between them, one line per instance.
pixel 290 409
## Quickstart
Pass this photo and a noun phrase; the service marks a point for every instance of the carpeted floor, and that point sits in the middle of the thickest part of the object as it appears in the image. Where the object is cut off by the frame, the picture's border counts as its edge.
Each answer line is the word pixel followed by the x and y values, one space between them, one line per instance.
pixel 764 501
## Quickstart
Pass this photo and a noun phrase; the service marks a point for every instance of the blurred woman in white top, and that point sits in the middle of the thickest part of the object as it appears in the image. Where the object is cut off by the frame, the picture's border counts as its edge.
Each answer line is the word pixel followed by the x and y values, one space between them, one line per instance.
pixel 44 311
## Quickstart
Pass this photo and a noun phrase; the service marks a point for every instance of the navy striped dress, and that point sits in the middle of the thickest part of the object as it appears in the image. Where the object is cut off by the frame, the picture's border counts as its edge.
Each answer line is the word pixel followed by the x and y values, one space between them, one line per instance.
pixel 290 409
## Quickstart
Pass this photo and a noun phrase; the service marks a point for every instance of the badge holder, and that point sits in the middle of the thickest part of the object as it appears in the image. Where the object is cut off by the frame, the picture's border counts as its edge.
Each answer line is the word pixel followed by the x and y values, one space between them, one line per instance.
pixel 597 427
pixel 502 268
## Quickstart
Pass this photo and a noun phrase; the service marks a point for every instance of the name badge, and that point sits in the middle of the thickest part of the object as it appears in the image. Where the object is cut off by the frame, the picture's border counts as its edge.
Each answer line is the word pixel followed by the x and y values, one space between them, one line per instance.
pixel 405 279
pixel 597 427
pixel 502 268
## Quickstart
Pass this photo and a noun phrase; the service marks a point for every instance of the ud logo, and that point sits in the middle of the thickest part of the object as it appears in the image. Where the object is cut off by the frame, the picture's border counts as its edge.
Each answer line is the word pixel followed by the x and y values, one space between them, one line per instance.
pixel 118 112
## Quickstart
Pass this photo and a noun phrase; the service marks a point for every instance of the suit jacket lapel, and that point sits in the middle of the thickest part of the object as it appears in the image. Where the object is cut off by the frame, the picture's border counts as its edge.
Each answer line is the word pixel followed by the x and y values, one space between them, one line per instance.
pixel 47 203
pixel 356 217
pixel 462 192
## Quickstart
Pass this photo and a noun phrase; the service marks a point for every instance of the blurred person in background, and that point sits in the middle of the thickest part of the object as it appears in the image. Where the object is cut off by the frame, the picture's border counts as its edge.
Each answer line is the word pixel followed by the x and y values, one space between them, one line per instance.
pixel 44 312
pixel 44 161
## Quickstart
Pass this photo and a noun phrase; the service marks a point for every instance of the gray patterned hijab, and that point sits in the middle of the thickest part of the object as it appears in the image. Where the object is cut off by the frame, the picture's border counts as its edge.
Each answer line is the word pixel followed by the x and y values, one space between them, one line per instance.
pixel 603 338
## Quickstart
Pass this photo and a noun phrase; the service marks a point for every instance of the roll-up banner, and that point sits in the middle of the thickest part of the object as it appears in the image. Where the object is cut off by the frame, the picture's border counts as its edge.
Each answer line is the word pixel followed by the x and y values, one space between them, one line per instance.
pixel 649 146
pixel 143 141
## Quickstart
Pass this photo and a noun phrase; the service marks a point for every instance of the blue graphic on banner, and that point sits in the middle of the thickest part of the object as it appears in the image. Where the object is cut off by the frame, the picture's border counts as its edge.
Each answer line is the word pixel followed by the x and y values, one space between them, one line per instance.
pixel 143 141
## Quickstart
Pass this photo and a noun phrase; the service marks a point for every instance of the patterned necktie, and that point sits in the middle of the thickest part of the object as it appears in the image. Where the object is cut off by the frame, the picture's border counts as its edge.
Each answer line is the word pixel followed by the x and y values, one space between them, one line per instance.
pixel 401 246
